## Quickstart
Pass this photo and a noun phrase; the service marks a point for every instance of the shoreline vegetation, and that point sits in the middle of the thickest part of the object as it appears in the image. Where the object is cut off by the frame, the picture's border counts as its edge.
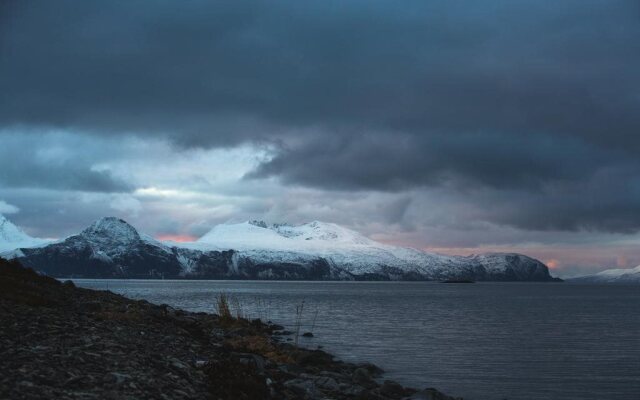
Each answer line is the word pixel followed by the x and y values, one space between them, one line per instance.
pixel 64 342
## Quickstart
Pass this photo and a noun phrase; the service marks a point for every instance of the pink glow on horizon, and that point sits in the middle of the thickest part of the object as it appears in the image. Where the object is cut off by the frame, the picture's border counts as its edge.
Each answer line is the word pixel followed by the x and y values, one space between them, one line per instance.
pixel 622 262
pixel 552 264
pixel 176 238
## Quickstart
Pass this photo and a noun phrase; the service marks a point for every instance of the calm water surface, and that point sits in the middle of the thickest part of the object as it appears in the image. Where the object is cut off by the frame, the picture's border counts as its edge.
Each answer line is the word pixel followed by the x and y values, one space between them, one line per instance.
pixel 484 341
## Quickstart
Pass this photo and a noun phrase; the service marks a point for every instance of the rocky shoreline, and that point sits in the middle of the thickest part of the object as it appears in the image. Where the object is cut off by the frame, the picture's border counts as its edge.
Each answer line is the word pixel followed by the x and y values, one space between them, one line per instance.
pixel 64 342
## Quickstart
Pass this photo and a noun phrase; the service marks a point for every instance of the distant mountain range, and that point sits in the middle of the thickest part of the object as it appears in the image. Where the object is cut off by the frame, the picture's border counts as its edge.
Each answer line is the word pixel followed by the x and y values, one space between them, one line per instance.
pixel 111 248
pixel 631 275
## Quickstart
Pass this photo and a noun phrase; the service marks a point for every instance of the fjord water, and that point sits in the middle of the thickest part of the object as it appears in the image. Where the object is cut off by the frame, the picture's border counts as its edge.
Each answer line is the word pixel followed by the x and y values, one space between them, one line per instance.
pixel 483 341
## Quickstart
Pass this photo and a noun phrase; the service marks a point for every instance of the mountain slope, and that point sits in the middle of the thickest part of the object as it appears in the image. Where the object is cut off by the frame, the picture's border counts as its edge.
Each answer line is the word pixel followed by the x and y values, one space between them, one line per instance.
pixel 12 237
pixel 631 275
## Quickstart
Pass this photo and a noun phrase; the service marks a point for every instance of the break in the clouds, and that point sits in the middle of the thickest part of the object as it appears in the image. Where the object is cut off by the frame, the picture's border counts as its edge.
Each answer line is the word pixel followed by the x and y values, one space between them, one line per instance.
pixel 422 119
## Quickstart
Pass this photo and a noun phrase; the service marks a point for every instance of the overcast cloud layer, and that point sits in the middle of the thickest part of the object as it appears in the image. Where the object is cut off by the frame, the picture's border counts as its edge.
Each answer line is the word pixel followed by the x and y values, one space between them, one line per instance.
pixel 455 125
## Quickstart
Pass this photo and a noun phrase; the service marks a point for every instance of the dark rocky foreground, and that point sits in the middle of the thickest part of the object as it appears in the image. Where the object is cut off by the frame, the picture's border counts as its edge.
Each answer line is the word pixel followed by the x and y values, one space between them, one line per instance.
pixel 58 341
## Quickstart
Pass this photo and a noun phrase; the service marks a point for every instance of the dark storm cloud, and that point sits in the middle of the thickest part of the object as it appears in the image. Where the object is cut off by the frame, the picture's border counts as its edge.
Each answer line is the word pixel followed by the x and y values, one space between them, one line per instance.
pixel 193 68
pixel 608 201
pixel 526 98
pixel 55 161
pixel 61 177
pixel 398 162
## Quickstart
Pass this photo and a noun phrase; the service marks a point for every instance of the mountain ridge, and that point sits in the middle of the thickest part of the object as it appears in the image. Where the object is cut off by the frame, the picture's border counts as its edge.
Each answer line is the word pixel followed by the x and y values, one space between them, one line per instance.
pixel 110 247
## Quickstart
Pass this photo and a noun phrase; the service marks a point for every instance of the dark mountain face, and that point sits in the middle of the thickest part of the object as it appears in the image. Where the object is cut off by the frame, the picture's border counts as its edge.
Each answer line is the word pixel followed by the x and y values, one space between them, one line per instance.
pixel 77 257
pixel 111 248
pixel 511 267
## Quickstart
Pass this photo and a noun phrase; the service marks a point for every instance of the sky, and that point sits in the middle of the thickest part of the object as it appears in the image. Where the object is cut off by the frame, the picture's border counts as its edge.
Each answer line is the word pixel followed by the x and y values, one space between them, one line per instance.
pixel 446 125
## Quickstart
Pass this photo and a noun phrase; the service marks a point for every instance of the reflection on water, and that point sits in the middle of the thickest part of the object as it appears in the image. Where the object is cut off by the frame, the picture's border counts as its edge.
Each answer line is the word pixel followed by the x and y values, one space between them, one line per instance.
pixel 484 341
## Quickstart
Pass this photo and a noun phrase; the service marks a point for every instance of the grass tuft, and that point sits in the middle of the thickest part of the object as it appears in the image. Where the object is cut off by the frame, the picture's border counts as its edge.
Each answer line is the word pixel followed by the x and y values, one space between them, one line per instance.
pixel 223 308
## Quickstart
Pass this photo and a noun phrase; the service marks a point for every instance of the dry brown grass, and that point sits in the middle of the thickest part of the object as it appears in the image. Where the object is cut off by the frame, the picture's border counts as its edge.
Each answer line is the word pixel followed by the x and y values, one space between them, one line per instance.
pixel 230 311
pixel 223 308
pixel 259 344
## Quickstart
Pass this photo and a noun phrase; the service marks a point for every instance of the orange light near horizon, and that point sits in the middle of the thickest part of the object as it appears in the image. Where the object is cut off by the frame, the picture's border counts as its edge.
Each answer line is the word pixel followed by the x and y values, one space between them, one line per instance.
pixel 622 262
pixel 177 238
pixel 553 264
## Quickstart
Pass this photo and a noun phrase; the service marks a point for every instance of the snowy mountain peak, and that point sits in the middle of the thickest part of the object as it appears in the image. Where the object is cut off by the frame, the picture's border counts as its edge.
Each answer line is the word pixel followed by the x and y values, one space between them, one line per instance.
pixel 9 232
pixel 242 235
pixel 260 235
pixel 112 229
pixel 12 237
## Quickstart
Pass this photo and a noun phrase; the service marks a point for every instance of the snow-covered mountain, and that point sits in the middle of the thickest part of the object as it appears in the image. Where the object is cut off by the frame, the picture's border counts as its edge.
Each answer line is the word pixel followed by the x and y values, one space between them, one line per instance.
pixel 351 254
pixel 631 275
pixel 12 237
pixel 110 247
